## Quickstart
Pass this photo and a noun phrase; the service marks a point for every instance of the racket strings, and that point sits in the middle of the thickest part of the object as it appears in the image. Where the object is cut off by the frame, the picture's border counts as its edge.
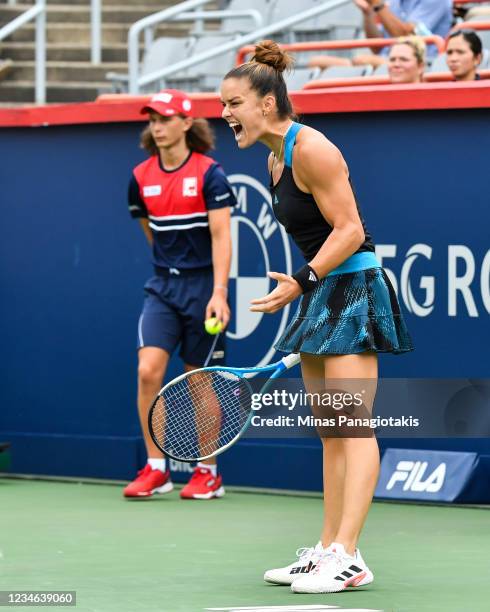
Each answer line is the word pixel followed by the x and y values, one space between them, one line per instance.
pixel 200 413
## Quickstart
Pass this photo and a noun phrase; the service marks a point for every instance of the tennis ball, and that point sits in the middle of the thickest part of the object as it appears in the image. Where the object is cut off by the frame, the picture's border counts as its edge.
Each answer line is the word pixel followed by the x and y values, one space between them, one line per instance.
pixel 213 326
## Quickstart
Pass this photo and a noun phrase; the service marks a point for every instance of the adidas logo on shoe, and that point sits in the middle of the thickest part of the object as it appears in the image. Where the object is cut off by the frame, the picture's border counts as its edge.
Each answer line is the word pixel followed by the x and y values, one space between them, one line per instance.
pixel 304 569
pixel 307 559
pixel 351 573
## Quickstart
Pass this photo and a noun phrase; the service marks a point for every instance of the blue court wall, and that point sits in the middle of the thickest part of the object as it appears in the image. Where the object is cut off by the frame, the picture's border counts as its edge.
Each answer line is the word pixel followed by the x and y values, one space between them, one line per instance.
pixel 72 267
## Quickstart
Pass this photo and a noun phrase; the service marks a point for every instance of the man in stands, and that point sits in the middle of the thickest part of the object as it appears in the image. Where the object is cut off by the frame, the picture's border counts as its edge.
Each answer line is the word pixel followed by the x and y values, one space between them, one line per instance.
pixel 393 19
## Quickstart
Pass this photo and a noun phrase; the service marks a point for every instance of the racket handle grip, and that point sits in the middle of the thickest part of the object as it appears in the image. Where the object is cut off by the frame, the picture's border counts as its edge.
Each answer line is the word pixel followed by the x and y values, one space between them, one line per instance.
pixel 291 360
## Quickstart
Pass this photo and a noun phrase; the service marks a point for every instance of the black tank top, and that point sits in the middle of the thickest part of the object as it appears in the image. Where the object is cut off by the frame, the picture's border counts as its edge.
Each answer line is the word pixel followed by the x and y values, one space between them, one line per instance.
pixel 298 212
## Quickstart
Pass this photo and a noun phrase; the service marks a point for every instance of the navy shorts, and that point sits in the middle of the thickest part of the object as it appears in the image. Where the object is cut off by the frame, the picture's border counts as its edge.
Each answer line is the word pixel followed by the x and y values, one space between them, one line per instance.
pixel 173 313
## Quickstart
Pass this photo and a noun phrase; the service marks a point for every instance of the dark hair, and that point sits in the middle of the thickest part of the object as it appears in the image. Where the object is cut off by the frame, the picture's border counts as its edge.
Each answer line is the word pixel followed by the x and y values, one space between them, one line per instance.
pixel 199 138
pixel 471 38
pixel 264 71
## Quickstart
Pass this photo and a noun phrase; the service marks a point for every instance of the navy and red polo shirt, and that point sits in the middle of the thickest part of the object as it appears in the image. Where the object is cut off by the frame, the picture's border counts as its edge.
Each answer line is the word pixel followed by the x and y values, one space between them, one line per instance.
pixel 176 203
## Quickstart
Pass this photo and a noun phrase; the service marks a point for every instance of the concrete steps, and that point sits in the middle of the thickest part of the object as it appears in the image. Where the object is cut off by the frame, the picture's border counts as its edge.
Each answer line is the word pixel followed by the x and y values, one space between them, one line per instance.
pixel 66 71
pixel 23 91
pixel 80 33
pixel 65 52
pixel 70 75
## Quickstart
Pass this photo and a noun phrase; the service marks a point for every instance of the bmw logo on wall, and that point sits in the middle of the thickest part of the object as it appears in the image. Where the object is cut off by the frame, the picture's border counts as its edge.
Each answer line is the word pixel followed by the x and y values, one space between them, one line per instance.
pixel 260 245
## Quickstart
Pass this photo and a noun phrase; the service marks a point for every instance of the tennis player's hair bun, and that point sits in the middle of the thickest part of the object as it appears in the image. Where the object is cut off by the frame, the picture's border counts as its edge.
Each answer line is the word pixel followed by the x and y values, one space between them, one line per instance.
pixel 268 52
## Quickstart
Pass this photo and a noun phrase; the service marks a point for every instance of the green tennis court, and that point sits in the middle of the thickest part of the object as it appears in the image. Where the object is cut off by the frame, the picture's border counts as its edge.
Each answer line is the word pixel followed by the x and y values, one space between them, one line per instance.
pixel 170 555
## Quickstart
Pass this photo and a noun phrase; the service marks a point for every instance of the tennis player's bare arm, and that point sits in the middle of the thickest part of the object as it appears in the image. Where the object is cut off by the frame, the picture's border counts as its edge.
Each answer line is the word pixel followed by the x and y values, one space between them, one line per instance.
pixel 319 169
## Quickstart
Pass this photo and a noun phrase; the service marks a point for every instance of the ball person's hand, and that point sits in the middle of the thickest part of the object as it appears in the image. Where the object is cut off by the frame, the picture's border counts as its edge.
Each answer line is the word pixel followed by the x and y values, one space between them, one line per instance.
pixel 218 306
pixel 286 291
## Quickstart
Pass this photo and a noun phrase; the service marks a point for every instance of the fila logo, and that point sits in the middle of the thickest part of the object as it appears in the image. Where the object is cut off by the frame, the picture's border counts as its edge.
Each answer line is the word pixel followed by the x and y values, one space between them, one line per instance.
pixel 152 190
pixel 312 277
pixel 412 473
pixel 189 186
pixel 303 569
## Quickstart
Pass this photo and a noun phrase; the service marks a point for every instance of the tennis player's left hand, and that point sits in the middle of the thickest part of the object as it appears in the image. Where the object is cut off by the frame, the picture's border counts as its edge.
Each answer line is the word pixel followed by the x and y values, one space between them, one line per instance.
pixel 286 291
pixel 218 307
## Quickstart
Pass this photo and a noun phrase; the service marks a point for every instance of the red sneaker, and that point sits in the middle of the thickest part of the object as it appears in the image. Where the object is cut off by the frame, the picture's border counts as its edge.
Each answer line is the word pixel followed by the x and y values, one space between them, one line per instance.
pixel 203 485
pixel 149 481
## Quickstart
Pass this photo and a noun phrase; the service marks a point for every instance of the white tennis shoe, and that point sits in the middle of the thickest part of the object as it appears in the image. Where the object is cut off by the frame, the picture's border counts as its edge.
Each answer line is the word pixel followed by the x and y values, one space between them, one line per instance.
pixel 335 571
pixel 305 563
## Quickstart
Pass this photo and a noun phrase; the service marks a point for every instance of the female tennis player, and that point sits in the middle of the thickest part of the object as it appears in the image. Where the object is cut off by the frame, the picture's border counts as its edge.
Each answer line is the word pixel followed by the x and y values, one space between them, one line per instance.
pixel 182 199
pixel 348 312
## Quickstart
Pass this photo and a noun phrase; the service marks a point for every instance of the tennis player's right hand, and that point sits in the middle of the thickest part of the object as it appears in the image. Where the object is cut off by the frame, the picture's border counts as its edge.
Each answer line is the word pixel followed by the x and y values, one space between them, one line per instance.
pixel 286 291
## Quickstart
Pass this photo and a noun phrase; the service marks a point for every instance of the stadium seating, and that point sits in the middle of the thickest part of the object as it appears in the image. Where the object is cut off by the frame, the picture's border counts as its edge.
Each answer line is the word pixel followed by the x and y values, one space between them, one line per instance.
pixel 339 24
pixel 379 79
pixel 342 23
pixel 346 71
pixel 484 34
pixel 233 26
pixel 296 79
pixel 71 76
pixel 207 75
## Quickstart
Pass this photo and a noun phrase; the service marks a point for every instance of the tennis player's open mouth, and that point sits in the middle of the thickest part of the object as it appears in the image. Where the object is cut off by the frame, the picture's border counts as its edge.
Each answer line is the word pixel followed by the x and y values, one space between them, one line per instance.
pixel 237 128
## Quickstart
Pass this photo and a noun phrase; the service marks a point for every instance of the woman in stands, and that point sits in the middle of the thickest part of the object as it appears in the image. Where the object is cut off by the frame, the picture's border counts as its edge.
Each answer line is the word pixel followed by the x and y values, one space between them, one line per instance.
pixel 182 199
pixel 348 312
pixel 406 61
pixel 464 54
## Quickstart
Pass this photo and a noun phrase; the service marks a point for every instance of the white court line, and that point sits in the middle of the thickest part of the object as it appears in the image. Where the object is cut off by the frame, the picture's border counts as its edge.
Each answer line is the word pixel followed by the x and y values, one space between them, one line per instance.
pixel 310 608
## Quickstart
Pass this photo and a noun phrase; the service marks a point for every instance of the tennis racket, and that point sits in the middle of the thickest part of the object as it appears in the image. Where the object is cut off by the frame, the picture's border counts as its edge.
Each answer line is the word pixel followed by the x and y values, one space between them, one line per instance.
pixel 200 414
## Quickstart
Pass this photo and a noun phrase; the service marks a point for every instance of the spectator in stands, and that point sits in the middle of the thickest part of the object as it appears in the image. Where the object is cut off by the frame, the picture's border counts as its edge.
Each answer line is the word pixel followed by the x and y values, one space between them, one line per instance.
pixel 406 61
pixel 464 53
pixel 393 19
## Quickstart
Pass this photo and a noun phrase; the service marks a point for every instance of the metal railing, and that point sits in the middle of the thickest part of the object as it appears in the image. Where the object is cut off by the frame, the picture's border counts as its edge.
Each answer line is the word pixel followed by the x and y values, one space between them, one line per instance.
pixel 96 31
pixel 37 12
pixel 365 81
pixel 136 81
pixel 145 25
pixel 473 25
pixel 331 45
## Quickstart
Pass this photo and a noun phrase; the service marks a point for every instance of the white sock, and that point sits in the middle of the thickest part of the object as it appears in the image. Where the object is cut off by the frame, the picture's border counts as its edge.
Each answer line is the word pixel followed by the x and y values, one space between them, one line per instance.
pixel 212 468
pixel 157 464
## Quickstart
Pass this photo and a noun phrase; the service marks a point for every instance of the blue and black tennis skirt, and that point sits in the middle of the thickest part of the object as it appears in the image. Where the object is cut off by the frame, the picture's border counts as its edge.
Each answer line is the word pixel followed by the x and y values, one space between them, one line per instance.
pixel 352 310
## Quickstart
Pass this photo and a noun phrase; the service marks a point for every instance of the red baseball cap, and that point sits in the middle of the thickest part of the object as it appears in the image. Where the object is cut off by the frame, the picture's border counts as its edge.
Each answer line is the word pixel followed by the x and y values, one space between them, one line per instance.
pixel 169 102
